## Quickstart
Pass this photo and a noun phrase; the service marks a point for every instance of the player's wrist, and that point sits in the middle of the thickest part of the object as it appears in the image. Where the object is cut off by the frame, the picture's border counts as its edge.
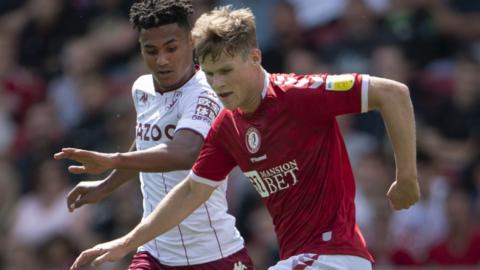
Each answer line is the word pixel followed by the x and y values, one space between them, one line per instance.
pixel 106 186
pixel 406 172
pixel 410 177
pixel 128 243
pixel 116 160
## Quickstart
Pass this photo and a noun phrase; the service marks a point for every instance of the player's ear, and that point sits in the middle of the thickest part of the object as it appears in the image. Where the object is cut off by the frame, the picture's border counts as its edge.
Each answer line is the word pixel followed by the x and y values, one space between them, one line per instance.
pixel 256 56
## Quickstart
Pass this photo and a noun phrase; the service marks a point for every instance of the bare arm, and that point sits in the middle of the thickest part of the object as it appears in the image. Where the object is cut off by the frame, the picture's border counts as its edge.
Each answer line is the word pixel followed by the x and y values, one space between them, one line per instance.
pixel 176 206
pixel 87 192
pixel 178 154
pixel 119 177
pixel 392 100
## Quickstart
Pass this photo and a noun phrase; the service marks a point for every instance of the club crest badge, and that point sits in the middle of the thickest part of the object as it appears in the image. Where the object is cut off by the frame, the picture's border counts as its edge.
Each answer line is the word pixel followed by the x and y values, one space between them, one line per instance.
pixel 142 99
pixel 252 140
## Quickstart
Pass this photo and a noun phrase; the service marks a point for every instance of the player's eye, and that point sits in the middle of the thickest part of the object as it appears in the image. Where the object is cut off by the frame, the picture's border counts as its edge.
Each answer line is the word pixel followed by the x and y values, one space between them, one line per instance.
pixel 151 52
pixel 225 71
pixel 171 49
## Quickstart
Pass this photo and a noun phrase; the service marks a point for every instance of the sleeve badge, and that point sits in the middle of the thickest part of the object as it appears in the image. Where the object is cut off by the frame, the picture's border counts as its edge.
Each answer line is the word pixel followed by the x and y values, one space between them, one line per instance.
pixel 342 82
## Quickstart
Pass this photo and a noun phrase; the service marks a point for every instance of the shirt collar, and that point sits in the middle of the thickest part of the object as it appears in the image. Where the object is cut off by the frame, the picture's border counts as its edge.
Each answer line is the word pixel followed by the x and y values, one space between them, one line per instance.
pixel 265 83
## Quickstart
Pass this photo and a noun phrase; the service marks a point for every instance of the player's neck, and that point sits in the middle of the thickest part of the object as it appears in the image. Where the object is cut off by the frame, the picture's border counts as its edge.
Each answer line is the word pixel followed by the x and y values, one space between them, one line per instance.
pixel 252 104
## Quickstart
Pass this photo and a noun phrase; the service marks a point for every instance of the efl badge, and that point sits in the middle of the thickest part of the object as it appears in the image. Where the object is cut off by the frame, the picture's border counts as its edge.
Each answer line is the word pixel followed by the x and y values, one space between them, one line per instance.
pixel 252 140
pixel 342 82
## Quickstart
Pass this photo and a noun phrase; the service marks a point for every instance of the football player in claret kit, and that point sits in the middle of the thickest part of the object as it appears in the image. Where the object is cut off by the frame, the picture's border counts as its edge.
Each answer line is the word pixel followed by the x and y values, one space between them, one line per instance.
pixel 175 107
pixel 280 129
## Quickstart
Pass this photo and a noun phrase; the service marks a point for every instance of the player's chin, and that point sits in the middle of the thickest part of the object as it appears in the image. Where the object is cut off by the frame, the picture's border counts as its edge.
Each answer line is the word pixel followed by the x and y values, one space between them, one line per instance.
pixel 166 80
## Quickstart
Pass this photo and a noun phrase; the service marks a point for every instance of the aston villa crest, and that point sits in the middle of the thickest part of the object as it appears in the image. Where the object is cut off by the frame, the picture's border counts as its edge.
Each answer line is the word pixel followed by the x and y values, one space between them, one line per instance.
pixel 142 99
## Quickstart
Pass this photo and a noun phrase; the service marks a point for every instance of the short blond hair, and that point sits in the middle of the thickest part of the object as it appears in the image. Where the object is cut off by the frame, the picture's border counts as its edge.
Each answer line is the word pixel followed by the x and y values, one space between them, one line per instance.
pixel 224 30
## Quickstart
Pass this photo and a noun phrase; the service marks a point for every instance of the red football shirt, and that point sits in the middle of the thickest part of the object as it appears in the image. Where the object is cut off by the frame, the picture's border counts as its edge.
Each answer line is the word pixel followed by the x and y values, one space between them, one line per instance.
pixel 293 153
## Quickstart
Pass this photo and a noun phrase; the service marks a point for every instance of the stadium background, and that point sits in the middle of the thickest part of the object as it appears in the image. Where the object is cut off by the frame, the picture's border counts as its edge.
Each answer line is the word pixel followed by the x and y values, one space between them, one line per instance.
pixel 65 73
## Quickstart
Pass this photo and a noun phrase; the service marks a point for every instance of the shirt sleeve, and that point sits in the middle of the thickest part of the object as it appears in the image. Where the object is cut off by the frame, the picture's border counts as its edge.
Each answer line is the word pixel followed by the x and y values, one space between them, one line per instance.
pixel 214 162
pixel 197 113
pixel 326 96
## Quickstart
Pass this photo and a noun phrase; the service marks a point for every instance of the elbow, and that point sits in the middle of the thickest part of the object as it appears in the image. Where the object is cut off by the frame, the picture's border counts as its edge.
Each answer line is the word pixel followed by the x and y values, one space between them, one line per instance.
pixel 189 158
pixel 403 91
pixel 402 95
pixel 384 93
pixel 398 93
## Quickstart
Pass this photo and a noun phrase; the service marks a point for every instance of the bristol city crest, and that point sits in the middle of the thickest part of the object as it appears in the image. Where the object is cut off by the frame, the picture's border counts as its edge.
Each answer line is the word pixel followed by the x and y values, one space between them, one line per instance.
pixel 252 140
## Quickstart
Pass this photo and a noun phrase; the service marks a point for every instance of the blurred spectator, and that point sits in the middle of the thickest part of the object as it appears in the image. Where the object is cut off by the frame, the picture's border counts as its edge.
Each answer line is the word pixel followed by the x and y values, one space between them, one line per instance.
pixel 359 144
pixel 413 231
pixel 10 194
pixel 19 88
pixel 455 123
pixel 43 212
pixel 91 130
pixel 312 13
pixel 355 41
pixel 22 256
pixel 262 244
pixel 57 253
pixel 35 141
pixel 471 184
pixel 373 176
pixel 304 61
pixel 43 36
pixel 8 5
pixel 286 35
pixel 79 61
pixel 7 127
pixel 461 246
pixel 454 18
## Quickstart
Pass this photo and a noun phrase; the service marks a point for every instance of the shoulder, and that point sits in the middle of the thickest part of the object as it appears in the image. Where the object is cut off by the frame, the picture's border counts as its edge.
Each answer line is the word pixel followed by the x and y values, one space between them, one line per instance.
pixel 198 92
pixel 291 82
pixel 224 118
pixel 198 86
pixel 144 83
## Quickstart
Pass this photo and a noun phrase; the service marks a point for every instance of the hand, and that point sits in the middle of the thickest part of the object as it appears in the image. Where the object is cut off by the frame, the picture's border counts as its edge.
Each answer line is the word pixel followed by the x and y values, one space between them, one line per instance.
pixel 92 162
pixel 105 252
pixel 403 193
pixel 86 192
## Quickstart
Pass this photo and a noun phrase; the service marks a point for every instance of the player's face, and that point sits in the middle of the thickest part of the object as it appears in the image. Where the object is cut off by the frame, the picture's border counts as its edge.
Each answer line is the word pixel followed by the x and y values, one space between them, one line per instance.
pixel 167 51
pixel 235 79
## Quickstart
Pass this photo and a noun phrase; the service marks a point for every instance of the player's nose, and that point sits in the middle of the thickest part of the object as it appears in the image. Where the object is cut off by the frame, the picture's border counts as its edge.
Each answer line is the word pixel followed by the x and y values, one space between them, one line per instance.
pixel 161 60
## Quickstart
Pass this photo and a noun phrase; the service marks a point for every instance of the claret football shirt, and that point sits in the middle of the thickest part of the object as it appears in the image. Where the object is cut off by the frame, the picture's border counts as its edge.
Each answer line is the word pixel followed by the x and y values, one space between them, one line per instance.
pixel 292 152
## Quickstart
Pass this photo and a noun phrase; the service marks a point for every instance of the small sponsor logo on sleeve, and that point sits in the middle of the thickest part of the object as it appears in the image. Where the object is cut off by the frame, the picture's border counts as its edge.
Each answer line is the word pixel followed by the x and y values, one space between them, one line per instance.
pixel 206 110
pixel 342 82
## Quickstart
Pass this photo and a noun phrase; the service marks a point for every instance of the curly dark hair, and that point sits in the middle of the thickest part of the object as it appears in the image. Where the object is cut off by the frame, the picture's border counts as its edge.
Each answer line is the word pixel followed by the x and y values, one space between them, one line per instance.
pixel 145 14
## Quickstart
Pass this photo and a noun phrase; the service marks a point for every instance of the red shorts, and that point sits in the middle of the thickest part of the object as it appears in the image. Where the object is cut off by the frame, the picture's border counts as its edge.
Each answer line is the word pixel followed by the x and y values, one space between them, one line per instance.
pixel 239 260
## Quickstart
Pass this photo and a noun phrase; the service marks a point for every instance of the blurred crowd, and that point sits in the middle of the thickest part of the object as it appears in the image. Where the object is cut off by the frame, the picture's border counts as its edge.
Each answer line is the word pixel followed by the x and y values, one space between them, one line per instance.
pixel 66 69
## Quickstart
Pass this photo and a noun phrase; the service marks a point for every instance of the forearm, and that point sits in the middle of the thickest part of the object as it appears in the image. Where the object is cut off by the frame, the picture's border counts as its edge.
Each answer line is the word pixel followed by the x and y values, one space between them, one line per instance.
pixel 161 158
pixel 397 113
pixel 175 207
pixel 117 178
